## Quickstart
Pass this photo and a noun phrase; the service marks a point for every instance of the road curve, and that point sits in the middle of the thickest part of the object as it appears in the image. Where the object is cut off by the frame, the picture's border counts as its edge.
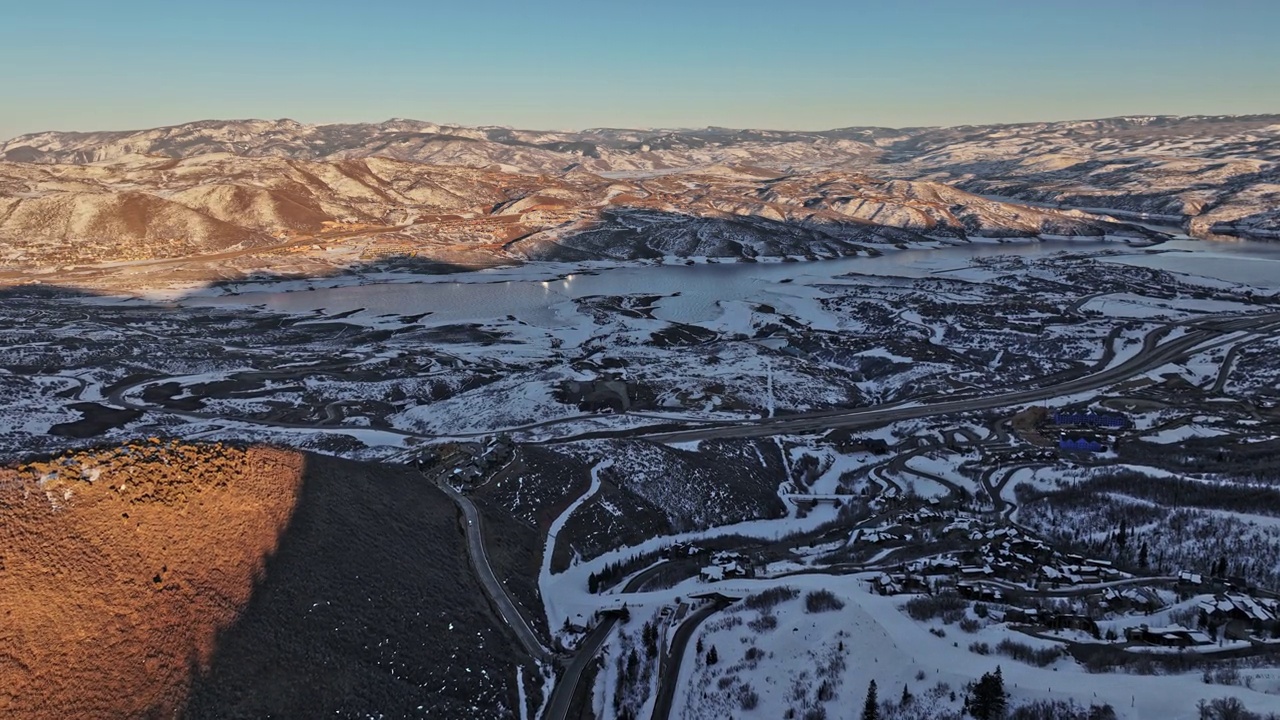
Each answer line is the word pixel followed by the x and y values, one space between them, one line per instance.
pixel 568 687
pixel 493 588
pixel 1153 355
pixel 669 673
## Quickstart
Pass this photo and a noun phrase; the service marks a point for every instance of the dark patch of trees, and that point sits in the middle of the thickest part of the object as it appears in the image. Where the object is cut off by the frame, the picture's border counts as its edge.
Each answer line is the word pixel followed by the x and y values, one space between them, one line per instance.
pixel 767 599
pixel 988 700
pixel 817 601
pixel 1179 492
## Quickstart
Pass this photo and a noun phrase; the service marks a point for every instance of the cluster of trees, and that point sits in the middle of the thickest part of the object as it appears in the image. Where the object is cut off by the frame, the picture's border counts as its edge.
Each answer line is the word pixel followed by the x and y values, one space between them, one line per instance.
pixel 808 469
pixel 610 574
pixel 947 605
pixel 768 599
pixel 1229 709
pixel 635 670
pixel 1183 493
pixel 1061 710
pixel 985 700
pixel 1142 536
pixel 1255 463
pixel 816 601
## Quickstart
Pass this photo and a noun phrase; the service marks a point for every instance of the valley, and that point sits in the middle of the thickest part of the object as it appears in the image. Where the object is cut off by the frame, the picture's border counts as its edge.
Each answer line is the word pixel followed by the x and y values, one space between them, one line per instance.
pixel 690 424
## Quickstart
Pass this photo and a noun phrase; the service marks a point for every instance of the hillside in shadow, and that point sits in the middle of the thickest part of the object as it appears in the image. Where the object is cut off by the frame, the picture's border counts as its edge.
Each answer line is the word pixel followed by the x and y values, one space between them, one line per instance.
pixel 368 607
pixel 209 581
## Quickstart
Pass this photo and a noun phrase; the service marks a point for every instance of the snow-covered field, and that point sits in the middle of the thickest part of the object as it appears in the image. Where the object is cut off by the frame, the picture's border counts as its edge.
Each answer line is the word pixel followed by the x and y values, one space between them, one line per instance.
pixel 881 643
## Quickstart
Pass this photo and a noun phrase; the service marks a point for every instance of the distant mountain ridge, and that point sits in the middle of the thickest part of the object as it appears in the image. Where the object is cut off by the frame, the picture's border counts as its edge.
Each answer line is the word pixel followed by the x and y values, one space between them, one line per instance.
pixel 141 208
pixel 596 149
pixel 261 194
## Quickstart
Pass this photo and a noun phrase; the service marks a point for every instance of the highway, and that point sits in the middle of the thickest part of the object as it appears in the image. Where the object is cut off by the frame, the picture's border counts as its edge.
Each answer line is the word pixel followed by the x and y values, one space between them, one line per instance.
pixel 1156 352
pixel 1153 355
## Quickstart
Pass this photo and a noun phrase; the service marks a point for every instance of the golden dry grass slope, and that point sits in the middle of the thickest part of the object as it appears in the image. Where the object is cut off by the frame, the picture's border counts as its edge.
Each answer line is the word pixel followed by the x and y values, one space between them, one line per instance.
pixel 118 569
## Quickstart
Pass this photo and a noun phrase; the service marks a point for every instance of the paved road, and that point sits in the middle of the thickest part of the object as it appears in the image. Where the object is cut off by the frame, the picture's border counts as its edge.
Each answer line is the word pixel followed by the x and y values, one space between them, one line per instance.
pixel 669 673
pixel 1079 591
pixel 899 465
pixel 495 589
pixel 1228 363
pixel 571 686
pixel 1153 355
pixel 567 688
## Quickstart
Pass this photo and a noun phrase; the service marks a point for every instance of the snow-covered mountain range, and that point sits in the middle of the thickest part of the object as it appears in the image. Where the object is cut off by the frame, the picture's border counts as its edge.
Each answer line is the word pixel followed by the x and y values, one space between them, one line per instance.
pixel 443 192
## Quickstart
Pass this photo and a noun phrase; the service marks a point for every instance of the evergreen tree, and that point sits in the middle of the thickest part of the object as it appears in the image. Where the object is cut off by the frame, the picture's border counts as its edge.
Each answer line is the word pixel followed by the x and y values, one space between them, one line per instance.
pixel 1142 555
pixel 633 665
pixel 699 646
pixel 871 708
pixel 988 700
pixel 1122 536
pixel 650 638
pixel 906 696
pixel 713 657
pixel 593 583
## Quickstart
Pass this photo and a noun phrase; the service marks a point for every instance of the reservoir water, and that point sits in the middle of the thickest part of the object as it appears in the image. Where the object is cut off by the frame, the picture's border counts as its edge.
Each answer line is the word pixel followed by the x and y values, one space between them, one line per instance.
pixel 694 293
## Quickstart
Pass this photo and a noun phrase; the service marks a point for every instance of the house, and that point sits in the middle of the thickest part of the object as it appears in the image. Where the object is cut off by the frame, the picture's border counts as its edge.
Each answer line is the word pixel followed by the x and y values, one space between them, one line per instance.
pixel 680 550
pixel 898 583
pixel 1190 579
pixel 1171 636
pixel 1070 575
pixel 935 566
pixel 1235 582
pixel 1011 571
pixel 960 524
pixel 1026 616
pixel 975 591
pixel 1081 443
pixel 1122 600
pixel 883 584
pixel 714 597
pixel 884 534
pixel 726 565
pixel 1224 609
pixel 1071 621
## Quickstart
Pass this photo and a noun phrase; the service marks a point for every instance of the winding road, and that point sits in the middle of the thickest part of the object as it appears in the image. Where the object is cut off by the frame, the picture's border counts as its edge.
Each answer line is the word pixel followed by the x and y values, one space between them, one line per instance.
pixel 571 685
pixel 493 587
pixel 1157 350
pixel 669 671
pixel 1154 354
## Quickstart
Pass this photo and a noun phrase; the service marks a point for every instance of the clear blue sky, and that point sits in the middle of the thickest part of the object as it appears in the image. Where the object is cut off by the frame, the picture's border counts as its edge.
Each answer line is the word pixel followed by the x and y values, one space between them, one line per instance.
pixel 809 64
